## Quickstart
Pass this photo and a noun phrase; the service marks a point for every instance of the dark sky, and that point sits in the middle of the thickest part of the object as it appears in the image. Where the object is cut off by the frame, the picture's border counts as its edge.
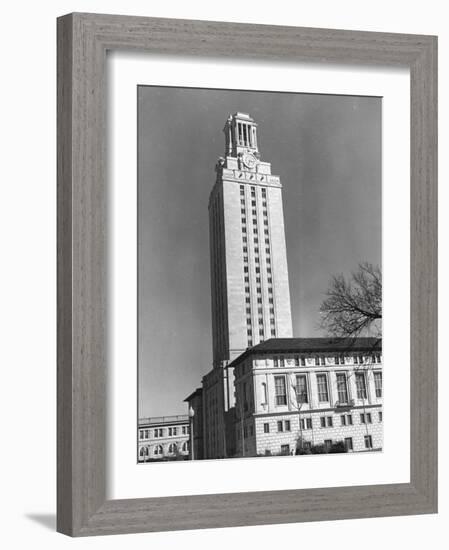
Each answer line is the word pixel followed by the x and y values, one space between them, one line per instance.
pixel 326 150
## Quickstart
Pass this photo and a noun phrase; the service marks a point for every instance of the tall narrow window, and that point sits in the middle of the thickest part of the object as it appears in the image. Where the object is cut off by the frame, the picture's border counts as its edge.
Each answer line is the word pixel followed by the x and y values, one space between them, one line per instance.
pixel 172 448
pixel 323 393
pixel 280 391
pixel 342 387
pixel 158 450
pixel 265 394
pixel 301 389
pixel 378 383
pixel 360 383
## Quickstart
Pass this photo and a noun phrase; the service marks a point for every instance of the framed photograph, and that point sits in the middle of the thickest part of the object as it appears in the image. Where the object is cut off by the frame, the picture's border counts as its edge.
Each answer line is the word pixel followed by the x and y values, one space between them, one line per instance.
pixel 247 286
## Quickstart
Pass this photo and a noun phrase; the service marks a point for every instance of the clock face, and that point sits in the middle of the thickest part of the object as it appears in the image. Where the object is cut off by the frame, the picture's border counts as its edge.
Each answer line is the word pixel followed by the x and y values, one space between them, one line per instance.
pixel 249 160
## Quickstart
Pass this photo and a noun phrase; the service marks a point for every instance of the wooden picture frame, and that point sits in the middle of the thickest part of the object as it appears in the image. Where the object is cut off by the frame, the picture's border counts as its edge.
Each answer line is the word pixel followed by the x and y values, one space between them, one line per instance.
pixel 83 40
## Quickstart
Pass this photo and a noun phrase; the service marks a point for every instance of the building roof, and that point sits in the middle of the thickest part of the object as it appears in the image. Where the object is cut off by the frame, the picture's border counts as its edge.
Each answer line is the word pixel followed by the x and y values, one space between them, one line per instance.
pixel 197 392
pixel 312 345
pixel 163 420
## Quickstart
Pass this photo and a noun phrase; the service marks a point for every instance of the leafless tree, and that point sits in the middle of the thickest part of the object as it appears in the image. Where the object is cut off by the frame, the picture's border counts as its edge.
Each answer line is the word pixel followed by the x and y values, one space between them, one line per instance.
pixel 353 306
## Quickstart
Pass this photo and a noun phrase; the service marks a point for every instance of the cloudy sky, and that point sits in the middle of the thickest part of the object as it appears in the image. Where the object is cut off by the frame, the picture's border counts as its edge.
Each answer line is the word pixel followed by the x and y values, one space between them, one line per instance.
pixel 326 150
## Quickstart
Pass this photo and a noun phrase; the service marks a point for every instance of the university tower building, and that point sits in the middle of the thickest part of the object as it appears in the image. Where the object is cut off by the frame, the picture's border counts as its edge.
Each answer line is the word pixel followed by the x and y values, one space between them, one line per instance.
pixel 249 274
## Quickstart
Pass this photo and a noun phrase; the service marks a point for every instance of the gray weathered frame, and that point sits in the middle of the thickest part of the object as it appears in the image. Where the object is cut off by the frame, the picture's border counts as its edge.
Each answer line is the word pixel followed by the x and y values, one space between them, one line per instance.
pixel 83 40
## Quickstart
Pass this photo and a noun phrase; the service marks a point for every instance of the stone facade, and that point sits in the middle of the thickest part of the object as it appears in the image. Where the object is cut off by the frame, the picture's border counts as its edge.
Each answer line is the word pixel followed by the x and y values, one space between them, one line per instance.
pixel 307 392
pixel 163 438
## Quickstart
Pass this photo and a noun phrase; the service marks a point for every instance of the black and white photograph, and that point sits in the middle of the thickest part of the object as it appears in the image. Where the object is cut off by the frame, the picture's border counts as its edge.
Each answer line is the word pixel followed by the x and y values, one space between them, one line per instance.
pixel 259 274
pixel 221 255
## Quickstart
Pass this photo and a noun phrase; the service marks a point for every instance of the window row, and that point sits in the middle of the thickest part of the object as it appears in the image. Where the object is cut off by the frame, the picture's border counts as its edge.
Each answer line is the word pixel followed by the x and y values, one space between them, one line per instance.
pixel 269 279
pixel 256 238
pixel 249 331
pixel 301 389
pixel 256 252
pixel 322 360
pixel 253 203
pixel 348 443
pixel 259 298
pixel 163 432
pixel 325 422
pixel 253 213
pixel 253 192
pixel 159 451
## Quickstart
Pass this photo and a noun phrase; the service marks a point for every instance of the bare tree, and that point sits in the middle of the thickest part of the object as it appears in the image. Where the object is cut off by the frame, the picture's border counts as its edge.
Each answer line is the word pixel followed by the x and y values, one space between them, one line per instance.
pixel 353 306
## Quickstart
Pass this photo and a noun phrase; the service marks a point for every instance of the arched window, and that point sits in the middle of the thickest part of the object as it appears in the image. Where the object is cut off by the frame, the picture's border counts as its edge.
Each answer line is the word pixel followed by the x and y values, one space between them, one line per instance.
pixel 157 451
pixel 172 448
pixel 185 447
pixel 143 451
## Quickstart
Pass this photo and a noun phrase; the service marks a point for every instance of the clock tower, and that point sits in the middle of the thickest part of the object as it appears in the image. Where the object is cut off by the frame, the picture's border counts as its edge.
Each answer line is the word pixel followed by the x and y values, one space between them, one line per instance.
pixel 249 274
pixel 250 289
